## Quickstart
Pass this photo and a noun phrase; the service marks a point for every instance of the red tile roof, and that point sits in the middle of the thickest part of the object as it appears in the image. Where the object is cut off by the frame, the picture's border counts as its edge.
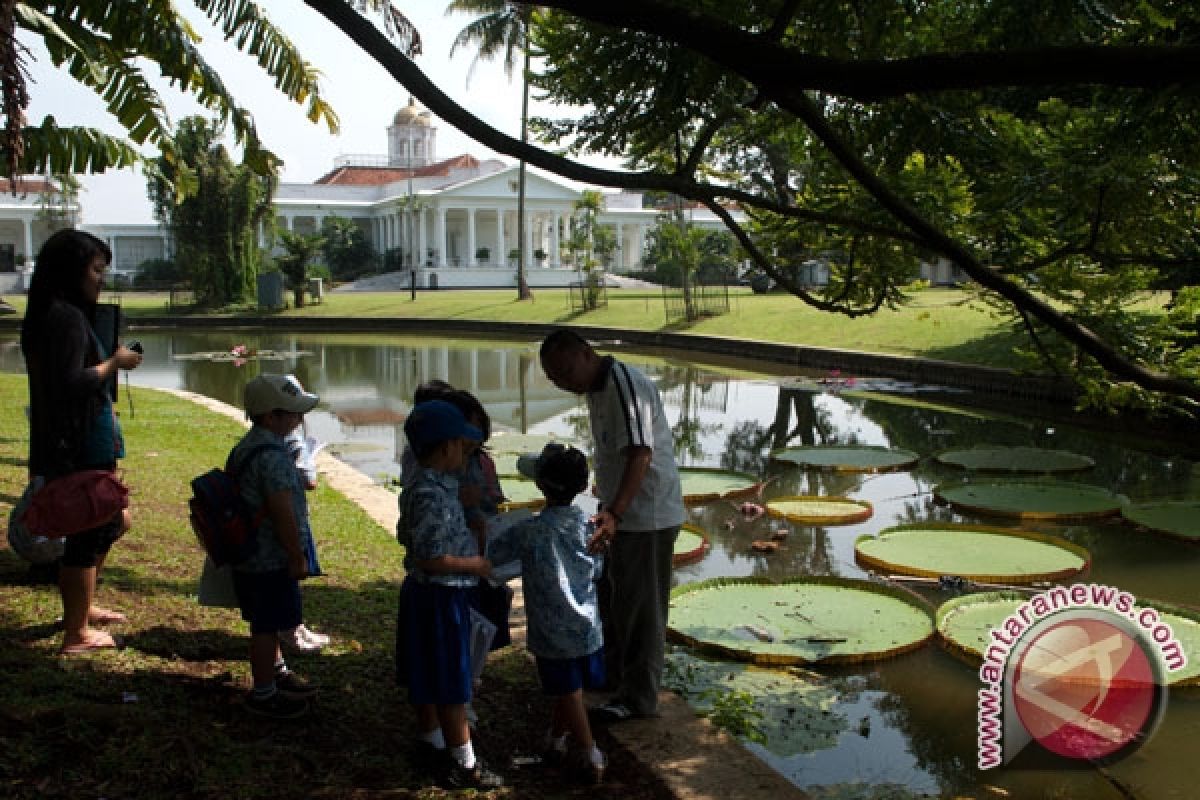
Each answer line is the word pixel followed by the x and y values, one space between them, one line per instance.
pixel 377 176
pixel 28 185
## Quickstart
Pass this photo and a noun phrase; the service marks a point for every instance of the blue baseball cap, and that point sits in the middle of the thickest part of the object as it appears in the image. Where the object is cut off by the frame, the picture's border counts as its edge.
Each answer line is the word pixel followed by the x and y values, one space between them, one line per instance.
pixel 437 421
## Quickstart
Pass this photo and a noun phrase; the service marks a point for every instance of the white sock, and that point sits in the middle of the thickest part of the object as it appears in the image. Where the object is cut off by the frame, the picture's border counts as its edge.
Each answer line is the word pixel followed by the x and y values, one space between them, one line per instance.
pixel 464 754
pixel 435 738
pixel 597 758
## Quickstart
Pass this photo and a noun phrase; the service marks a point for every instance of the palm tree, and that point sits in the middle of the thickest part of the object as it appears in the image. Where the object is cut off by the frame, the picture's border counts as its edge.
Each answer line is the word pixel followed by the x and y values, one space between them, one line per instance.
pixel 504 27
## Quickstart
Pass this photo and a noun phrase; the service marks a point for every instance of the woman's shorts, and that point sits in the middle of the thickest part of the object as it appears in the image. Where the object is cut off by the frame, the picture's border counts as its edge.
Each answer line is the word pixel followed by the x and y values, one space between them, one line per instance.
pixel 270 601
pixel 86 548
pixel 561 676
pixel 433 643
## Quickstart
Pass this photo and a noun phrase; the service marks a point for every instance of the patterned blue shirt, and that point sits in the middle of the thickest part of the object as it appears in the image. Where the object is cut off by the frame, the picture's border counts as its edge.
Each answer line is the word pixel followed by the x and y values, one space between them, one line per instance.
pixel 432 525
pixel 269 472
pixel 558 576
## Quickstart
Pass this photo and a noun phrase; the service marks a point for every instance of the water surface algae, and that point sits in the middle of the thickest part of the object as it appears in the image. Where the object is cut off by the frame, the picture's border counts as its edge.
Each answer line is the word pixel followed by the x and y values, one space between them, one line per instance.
pixel 818 620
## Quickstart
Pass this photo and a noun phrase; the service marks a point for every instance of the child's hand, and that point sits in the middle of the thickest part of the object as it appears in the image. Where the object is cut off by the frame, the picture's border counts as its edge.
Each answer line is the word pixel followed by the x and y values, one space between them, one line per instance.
pixel 484 568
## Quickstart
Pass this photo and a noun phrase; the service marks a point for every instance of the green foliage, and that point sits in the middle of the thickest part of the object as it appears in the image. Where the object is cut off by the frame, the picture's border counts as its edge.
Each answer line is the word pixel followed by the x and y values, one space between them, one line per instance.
pixel 108 47
pixel 298 251
pixel 346 248
pixel 215 228
pixel 159 271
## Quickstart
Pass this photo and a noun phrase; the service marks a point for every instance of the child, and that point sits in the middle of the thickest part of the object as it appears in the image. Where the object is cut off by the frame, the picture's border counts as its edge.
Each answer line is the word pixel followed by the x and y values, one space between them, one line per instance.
pixel 443 563
pixel 300 448
pixel 267 584
pixel 559 577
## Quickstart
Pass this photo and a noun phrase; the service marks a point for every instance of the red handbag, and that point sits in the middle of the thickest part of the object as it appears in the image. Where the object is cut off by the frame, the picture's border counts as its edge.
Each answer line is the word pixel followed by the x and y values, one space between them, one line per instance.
pixel 76 502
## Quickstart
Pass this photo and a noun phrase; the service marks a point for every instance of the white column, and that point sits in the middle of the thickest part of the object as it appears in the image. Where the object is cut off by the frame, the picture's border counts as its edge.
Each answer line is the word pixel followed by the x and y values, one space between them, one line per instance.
pixel 528 254
pixel 640 244
pixel 470 236
pixel 501 256
pixel 622 247
pixel 29 254
pixel 440 237
pixel 421 240
pixel 555 245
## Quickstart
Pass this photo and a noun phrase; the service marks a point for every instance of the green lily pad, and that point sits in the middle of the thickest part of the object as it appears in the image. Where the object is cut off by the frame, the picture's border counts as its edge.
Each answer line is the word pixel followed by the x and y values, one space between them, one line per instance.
pixel 1179 519
pixel 705 484
pixel 1050 500
pixel 504 442
pixel 690 546
pixel 849 458
pixel 976 553
pixel 964 625
pixel 521 493
pixel 804 621
pixel 812 510
pixel 1016 459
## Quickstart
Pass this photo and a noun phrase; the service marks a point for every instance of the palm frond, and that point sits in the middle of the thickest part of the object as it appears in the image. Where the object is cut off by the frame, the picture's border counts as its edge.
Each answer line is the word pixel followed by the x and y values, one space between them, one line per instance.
pixel 51 150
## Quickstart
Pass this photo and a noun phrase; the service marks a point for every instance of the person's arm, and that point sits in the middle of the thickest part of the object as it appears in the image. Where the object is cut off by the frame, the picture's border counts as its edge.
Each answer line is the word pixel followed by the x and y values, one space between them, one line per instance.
pixel 457 565
pixel 283 522
pixel 608 519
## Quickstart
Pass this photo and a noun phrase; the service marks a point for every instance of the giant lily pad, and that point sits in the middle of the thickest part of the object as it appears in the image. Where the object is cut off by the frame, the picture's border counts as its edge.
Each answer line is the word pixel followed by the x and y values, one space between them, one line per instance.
pixel 1050 500
pixel 973 552
pixel 705 484
pixel 812 510
pixel 849 458
pixel 803 621
pixel 521 493
pixel 504 442
pixel 690 546
pixel 1016 459
pixel 964 625
pixel 1179 519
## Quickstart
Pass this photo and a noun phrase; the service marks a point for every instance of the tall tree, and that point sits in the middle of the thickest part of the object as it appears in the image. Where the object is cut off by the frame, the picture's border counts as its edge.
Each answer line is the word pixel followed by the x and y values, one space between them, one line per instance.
pixel 503 28
pixel 215 228
pixel 885 132
pixel 108 46
pixel 346 248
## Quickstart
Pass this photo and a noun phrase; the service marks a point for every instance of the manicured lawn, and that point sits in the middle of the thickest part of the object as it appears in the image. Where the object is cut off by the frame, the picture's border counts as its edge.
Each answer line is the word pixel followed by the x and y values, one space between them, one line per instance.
pixel 937 323
pixel 163 718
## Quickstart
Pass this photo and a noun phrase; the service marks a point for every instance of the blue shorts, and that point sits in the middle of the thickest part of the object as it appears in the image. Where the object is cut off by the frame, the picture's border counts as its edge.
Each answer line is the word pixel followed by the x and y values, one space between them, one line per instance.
pixel 270 601
pixel 561 676
pixel 433 643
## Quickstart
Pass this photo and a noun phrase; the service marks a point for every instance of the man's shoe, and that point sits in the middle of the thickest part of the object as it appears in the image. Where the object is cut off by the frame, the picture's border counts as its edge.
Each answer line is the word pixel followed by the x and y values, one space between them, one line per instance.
pixel 476 777
pixel 298 640
pixel 609 713
pixel 279 705
pixel 291 683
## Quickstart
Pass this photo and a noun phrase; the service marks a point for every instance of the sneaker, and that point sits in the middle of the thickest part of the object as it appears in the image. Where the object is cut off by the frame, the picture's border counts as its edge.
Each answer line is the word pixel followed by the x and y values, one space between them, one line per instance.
pixel 297 640
pixel 291 683
pixel 610 712
pixel 318 639
pixel 279 705
pixel 476 777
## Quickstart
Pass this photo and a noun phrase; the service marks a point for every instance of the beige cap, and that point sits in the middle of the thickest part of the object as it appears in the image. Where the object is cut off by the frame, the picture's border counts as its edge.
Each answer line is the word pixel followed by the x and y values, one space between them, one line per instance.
pixel 266 393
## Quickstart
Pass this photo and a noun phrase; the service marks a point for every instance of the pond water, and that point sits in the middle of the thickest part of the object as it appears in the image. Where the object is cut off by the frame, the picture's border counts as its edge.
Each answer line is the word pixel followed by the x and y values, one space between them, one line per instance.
pixel 907 725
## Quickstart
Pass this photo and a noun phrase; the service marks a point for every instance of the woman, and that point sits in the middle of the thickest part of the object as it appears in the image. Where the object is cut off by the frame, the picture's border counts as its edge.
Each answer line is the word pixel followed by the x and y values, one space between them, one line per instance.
pixel 72 425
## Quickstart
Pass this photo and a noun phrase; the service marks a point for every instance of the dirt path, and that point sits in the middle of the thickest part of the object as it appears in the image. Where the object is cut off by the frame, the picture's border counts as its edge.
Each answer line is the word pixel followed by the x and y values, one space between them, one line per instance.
pixel 696 760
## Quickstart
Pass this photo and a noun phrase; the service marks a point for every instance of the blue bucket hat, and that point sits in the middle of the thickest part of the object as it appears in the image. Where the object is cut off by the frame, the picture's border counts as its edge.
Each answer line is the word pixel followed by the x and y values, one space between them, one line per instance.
pixel 436 421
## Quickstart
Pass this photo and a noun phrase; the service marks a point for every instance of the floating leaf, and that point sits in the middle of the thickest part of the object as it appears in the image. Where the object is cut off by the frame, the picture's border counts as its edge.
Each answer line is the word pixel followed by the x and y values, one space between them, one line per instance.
pixel 973 552
pixel 804 621
pixel 1016 459
pixel 690 546
pixel 1179 519
pixel 1050 500
pixel 809 510
pixel 705 484
pixel 849 458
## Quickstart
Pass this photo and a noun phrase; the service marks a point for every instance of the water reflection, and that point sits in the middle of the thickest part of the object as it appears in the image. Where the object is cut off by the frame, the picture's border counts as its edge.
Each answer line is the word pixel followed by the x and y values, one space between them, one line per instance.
pixel 920 707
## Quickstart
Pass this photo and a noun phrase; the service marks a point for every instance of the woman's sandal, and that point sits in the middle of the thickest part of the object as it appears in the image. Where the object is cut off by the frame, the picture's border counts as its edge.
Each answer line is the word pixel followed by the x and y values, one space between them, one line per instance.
pixel 97 641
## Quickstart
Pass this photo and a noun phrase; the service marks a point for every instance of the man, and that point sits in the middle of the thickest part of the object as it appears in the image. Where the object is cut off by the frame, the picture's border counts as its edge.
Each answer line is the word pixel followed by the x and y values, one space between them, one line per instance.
pixel 641 510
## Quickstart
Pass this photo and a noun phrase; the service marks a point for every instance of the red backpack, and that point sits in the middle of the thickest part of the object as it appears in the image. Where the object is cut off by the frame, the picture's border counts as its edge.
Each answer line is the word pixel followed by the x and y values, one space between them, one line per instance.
pixel 224 523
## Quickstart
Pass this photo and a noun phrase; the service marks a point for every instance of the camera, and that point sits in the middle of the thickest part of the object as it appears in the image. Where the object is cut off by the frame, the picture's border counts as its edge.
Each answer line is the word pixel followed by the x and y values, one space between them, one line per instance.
pixel 136 347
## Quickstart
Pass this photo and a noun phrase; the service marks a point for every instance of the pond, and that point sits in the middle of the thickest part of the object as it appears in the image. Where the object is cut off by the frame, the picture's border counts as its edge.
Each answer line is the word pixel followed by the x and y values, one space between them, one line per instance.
pixel 906 726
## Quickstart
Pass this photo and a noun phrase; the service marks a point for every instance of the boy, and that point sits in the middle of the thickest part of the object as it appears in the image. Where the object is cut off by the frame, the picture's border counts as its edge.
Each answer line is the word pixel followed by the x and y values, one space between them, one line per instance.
pixel 443 564
pixel 267 584
pixel 559 577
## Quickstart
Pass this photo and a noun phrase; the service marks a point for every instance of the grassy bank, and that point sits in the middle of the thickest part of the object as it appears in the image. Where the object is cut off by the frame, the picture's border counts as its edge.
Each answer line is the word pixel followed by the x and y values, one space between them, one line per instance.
pixel 936 323
pixel 163 717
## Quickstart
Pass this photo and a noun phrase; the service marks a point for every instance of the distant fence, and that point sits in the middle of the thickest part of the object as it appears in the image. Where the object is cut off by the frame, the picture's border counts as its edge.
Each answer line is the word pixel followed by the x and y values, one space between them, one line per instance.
pixel 695 301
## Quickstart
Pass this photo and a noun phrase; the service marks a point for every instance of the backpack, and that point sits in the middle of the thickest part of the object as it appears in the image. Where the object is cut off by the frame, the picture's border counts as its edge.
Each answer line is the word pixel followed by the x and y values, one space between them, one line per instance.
pixel 224 523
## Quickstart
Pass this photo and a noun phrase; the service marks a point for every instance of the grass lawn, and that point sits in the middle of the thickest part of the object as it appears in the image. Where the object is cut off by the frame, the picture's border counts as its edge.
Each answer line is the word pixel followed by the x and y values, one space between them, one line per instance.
pixel 163 718
pixel 936 323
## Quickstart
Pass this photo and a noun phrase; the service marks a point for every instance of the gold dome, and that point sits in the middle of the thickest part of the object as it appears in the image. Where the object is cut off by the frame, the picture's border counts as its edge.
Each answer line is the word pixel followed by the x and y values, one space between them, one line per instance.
pixel 411 115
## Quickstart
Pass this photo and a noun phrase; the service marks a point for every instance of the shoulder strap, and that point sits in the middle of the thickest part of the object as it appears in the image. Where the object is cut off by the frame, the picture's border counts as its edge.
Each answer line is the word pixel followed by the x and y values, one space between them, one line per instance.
pixel 233 469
